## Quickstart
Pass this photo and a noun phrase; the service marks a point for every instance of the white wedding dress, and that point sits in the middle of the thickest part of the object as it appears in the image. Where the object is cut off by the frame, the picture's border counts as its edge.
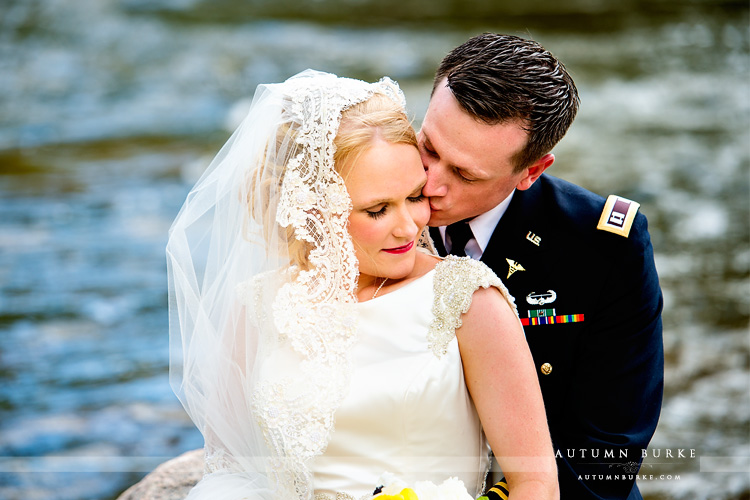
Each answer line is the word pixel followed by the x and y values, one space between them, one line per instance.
pixel 408 411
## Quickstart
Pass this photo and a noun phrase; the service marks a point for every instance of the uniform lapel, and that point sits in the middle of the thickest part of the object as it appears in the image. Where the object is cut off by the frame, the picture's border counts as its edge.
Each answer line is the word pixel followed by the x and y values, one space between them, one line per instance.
pixel 438 241
pixel 518 237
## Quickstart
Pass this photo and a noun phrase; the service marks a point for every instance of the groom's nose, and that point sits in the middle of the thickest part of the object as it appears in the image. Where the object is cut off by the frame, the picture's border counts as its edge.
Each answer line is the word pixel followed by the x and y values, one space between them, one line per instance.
pixel 436 183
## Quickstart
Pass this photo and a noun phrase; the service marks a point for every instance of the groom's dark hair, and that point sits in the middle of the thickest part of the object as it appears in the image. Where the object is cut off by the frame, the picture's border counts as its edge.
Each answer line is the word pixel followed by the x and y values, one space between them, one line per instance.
pixel 500 78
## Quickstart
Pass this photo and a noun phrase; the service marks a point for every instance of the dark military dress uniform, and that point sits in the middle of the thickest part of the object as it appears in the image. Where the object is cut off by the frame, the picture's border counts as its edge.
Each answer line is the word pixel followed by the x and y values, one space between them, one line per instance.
pixel 581 269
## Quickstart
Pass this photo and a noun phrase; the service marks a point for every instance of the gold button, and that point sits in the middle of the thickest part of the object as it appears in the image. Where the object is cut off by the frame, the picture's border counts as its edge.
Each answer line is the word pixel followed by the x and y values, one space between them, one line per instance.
pixel 546 368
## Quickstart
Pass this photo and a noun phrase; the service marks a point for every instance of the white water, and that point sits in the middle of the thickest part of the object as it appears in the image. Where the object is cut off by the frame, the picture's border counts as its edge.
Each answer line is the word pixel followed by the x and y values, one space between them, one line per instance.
pixel 109 109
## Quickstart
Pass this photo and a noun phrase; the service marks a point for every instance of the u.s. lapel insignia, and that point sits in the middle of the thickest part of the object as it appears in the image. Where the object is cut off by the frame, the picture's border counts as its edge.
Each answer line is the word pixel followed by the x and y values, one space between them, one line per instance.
pixel 513 267
pixel 618 215
pixel 537 240
pixel 539 299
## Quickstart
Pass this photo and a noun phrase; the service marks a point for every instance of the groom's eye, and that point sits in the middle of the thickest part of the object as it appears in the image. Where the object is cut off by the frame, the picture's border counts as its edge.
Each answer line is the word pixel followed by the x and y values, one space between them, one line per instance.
pixel 464 176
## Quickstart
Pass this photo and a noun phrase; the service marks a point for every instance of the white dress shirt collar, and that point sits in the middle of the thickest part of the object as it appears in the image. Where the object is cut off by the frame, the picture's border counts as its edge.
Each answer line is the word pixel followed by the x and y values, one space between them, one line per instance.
pixel 482 226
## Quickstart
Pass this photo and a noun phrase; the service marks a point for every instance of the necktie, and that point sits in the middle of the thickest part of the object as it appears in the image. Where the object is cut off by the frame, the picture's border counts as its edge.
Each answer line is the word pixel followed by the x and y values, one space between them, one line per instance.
pixel 460 234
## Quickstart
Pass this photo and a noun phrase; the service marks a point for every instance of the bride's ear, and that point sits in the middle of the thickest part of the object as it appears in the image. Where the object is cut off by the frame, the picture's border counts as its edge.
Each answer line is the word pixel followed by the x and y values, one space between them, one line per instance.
pixel 532 172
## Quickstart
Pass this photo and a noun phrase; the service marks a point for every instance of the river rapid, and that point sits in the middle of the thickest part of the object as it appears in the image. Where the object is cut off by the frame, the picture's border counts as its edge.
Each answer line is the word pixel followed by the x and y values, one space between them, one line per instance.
pixel 110 109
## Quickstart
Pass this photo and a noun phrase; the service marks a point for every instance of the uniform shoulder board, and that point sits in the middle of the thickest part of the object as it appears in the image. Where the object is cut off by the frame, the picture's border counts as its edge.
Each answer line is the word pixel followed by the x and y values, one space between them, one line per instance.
pixel 618 215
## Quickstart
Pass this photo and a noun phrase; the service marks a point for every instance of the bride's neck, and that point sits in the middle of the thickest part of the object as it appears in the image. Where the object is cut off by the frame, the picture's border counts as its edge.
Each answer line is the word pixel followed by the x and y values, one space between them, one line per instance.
pixel 369 286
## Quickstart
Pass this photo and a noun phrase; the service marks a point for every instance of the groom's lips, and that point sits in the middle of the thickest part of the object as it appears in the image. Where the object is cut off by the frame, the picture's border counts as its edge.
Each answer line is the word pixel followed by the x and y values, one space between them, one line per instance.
pixel 400 250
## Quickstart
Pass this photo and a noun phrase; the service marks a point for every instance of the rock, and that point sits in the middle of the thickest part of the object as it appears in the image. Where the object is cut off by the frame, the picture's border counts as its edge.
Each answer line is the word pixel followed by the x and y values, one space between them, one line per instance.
pixel 172 480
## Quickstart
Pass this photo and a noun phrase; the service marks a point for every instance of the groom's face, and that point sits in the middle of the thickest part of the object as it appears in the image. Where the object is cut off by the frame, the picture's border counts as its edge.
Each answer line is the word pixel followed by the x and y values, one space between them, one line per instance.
pixel 469 163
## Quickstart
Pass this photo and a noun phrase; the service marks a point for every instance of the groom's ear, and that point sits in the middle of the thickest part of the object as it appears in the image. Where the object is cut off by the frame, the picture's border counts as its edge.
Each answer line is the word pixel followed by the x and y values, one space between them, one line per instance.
pixel 532 172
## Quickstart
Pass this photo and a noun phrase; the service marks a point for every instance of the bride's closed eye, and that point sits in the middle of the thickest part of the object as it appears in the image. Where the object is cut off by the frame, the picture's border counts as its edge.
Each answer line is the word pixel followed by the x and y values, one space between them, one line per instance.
pixel 376 214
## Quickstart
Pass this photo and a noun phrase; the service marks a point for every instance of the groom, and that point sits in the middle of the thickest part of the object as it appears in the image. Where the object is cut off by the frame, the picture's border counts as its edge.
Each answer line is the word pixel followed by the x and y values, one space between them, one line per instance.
pixel 580 267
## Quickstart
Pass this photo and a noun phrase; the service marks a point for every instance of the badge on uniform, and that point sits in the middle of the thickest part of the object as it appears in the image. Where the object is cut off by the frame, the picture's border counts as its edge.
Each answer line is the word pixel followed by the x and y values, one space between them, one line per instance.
pixel 549 317
pixel 513 266
pixel 541 313
pixel 618 215
pixel 546 316
pixel 539 299
pixel 537 240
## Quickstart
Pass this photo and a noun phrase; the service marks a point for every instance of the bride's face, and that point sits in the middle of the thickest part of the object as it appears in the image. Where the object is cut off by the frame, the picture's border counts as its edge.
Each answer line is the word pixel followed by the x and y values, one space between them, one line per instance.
pixel 385 185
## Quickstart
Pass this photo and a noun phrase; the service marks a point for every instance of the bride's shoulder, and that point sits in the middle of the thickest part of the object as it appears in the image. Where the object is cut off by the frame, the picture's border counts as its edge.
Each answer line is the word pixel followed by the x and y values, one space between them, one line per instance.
pixel 458 282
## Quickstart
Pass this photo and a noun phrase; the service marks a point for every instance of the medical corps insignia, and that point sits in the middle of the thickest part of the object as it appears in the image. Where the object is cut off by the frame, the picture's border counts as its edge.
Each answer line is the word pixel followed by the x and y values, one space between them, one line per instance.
pixel 618 215
pixel 513 266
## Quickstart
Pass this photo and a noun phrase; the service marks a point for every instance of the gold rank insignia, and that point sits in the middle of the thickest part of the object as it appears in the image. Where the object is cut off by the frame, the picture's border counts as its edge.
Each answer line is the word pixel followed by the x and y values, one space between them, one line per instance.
pixel 513 266
pixel 618 215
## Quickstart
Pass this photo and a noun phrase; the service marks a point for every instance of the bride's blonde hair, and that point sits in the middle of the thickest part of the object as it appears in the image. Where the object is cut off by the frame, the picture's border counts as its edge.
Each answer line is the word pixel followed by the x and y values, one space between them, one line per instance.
pixel 377 117
pixel 361 124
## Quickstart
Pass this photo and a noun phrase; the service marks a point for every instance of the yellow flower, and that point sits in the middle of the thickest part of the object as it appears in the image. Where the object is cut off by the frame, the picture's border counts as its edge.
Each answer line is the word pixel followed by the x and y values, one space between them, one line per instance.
pixel 409 494
pixel 405 494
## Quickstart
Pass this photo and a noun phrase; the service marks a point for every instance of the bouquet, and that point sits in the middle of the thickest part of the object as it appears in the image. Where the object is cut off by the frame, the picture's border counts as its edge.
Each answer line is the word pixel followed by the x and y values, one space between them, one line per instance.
pixel 394 489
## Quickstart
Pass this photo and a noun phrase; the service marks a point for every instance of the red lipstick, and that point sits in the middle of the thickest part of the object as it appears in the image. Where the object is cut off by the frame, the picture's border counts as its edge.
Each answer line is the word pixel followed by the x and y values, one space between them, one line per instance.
pixel 400 250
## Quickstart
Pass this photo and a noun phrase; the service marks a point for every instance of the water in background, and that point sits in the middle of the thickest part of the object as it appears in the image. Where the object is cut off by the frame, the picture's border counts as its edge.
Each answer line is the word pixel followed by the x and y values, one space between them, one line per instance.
pixel 109 110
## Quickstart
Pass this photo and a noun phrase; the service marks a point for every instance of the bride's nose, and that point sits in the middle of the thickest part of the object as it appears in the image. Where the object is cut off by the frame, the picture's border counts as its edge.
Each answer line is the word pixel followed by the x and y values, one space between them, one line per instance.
pixel 405 226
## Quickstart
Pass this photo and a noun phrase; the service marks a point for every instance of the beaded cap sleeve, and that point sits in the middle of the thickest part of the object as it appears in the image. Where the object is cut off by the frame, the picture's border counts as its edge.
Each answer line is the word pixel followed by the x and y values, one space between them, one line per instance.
pixel 456 280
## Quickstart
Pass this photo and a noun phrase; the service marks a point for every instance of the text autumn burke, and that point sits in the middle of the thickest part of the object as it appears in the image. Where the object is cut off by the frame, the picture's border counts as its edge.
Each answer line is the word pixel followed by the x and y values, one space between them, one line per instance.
pixel 623 453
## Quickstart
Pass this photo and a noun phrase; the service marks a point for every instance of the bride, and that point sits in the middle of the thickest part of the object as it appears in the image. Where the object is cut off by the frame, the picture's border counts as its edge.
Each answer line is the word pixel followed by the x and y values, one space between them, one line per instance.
pixel 320 346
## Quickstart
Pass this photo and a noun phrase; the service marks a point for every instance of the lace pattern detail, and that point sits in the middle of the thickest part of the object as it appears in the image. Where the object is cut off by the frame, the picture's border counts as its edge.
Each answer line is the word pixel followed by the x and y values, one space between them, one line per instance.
pixel 249 295
pixel 217 460
pixel 313 317
pixel 456 280
pixel 425 242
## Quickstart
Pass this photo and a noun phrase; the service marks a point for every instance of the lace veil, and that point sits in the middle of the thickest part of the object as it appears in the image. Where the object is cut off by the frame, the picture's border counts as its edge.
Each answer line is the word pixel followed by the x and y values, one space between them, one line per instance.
pixel 262 278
